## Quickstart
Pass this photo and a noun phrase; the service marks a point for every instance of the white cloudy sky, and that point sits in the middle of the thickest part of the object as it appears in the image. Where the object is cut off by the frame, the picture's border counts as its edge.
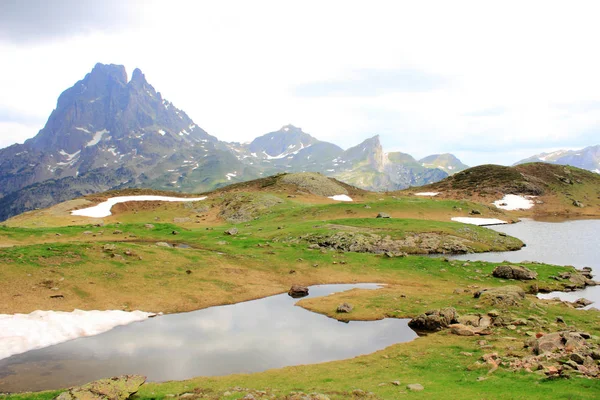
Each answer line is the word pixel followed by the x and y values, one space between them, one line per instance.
pixel 488 81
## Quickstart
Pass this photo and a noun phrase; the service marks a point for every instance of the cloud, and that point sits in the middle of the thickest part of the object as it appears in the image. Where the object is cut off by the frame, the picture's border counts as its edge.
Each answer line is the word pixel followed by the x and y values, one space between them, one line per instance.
pixel 488 112
pixel 374 82
pixel 27 21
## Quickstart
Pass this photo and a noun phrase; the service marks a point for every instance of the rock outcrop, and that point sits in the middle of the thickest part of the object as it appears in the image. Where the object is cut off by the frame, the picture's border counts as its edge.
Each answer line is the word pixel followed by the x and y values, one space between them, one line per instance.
pixel 434 320
pixel 116 388
pixel 514 272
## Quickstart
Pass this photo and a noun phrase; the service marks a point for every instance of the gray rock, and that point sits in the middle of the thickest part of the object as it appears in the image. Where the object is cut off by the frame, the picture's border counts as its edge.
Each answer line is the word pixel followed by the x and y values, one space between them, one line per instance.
pixel 514 272
pixel 231 231
pixel 383 215
pixel 109 247
pixel 163 244
pixel 434 320
pixel 415 387
pixel 344 308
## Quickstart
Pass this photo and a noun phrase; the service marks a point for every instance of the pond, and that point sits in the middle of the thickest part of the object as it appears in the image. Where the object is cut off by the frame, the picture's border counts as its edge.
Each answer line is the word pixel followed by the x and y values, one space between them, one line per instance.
pixel 241 338
pixel 573 243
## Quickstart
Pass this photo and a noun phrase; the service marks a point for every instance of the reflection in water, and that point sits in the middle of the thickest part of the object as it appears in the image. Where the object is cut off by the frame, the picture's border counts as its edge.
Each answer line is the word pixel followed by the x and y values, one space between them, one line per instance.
pixel 573 243
pixel 245 337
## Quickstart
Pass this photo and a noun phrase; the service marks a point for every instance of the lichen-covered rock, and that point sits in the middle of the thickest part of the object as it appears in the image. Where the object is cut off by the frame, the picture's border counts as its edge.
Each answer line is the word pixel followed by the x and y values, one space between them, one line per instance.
pixel 116 388
pixel 434 320
pixel 514 272
pixel 502 296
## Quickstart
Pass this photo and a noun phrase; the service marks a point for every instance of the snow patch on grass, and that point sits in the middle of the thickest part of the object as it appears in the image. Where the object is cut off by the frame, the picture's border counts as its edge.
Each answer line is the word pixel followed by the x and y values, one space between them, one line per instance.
pixel 340 197
pixel 431 194
pixel 514 202
pixel 479 221
pixel 24 332
pixel 103 209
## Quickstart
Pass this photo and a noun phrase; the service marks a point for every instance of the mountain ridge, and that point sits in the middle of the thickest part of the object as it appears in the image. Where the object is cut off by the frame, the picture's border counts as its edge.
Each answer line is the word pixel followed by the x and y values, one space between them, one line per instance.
pixel 105 123
pixel 586 158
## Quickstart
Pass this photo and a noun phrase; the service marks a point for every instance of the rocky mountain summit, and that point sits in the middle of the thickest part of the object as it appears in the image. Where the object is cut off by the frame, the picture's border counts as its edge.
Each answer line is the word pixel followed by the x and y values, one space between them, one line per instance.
pixel 110 133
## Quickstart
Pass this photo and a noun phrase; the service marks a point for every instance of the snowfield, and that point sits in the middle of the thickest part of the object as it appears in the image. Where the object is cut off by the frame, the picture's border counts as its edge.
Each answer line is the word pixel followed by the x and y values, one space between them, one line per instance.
pixel 103 209
pixel 427 194
pixel 340 197
pixel 23 332
pixel 479 221
pixel 514 202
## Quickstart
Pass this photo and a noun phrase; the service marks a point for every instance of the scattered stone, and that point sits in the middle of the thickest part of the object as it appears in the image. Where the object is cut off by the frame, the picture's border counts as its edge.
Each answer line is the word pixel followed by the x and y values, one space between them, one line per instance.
pixel 396 383
pixel 231 231
pixel 415 387
pixel 149 226
pixel 383 215
pixel 434 320
pixel 117 388
pixel 188 271
pixel 117 232
pixel 344 308
pixel 109 247
pixel 475 212
pixel 514 272
pixel 578 204
pixel 297 291
pixel 174 233
pixel 163 244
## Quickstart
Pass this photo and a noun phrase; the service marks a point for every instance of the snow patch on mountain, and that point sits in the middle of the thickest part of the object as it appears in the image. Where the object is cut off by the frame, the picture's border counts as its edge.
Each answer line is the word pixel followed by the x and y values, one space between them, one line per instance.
pixel 97 138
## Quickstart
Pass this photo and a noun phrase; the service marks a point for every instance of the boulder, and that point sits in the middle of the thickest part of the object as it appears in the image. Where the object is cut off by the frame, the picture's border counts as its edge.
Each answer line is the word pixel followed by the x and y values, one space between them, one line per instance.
pixel 297 291
pixel 502 296
pixel 344 308
pixel 383 215
pixel 231 231
pixel 514 272
pixel 415 387
pixel 557 341
pixel 434 320
pixel 117 388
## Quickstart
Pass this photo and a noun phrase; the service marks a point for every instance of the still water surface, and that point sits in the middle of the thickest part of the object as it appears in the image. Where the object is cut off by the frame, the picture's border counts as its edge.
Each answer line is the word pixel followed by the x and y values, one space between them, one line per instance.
pixel 240 338
pixel 575 243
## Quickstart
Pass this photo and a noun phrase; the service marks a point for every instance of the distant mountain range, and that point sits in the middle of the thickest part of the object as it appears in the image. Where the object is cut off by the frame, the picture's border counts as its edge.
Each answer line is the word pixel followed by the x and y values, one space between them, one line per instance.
pixel 109 133
pixel 587 158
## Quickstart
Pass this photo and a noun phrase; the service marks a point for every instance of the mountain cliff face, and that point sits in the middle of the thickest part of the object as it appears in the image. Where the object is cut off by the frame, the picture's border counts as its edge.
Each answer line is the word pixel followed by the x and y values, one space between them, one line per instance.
pixel 107 132
pixel 587 158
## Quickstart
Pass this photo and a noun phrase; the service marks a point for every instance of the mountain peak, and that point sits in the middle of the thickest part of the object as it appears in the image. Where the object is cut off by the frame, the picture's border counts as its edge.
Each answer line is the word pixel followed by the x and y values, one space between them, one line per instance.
pixel 290 128
pixel 138 78
pixel 101 71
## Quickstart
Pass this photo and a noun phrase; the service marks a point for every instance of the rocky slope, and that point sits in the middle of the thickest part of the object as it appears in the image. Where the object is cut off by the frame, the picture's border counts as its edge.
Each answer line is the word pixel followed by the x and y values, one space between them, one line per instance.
pixel 587 158
pixel 555 189
pixel 108 133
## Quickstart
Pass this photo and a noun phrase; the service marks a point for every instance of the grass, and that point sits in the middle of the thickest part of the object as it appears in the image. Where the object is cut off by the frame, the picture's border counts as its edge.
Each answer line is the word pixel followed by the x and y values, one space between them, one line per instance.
pixel 258 261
